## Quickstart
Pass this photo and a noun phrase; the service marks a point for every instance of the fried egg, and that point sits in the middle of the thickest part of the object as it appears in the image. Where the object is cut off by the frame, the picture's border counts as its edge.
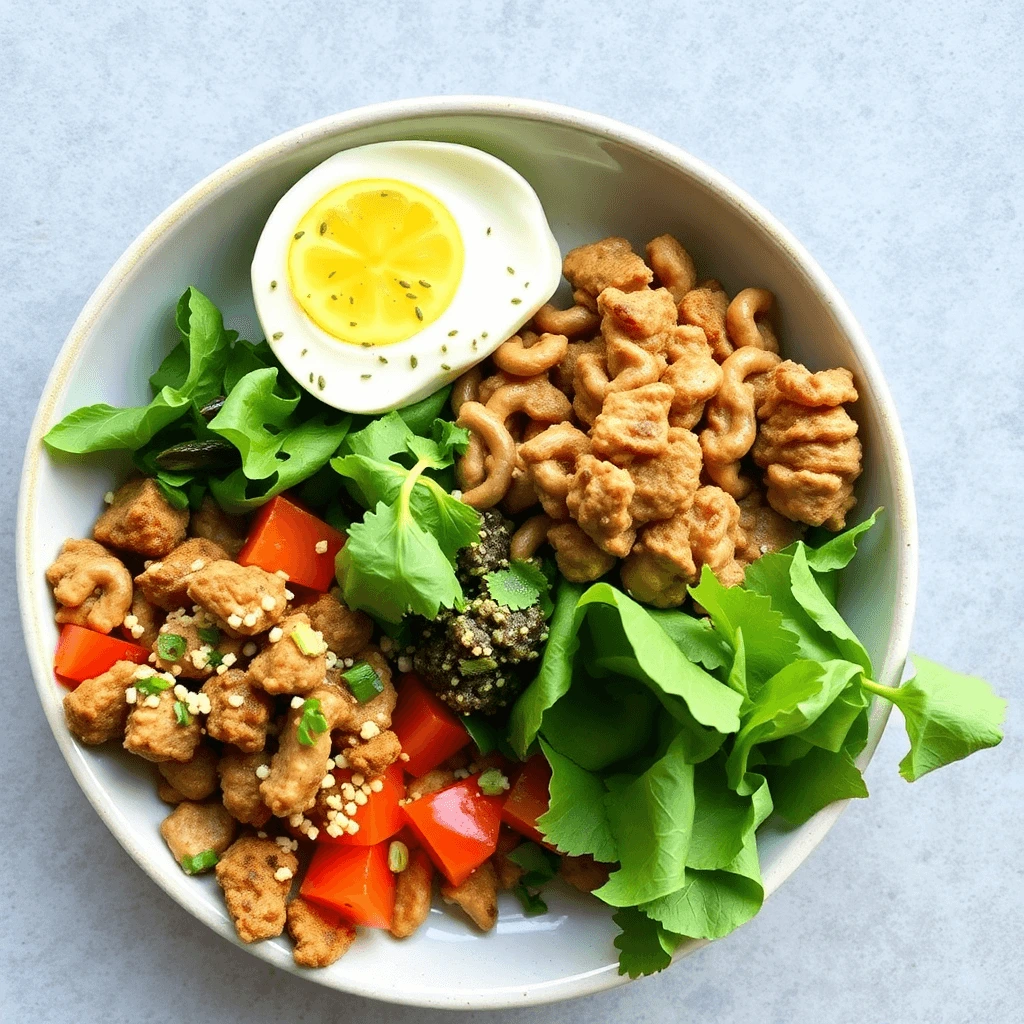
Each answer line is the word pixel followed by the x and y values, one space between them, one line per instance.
pixel 390 269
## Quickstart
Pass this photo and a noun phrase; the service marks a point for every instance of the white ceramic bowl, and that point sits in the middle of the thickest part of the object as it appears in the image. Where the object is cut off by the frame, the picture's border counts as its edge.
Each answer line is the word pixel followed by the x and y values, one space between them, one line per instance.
pixel 595 177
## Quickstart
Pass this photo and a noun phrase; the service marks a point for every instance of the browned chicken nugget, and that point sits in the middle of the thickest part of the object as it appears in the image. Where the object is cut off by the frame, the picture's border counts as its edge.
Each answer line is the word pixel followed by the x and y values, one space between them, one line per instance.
pixel 200 657
pixel 239 711
pixel 320 936
pixel 141 519
pixel 610 263
pixel 154 733
pixel 599 499
pixel 240 785
pixel 705 307
pixel 762 529
pixel 413 888
pixel 579 559
pixel 283 667
pixel 346 632
pixel 195 779
pixel 633 423
pixel 96 710
pixel 193 828
pixel 692 374
pixel 354 715
pixel 477 896
pixel 373 756
pixel 212 523
pixel 143 621
pixel 666 483
pixel 165 582
pixel 245 598
pixel 256 876
pixel 584 873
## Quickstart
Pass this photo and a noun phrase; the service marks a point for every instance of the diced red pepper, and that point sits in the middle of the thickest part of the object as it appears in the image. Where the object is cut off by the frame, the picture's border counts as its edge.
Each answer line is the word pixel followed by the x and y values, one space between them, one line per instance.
pixel 285 536
pixel 380 817
pixel 428 731
pixel 458 826
pixel 528 798
pixel 84 654
pixel 354 881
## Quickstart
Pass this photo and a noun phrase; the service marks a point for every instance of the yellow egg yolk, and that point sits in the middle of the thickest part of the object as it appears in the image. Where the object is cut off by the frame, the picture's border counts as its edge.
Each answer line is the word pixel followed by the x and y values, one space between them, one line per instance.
pixel 375 261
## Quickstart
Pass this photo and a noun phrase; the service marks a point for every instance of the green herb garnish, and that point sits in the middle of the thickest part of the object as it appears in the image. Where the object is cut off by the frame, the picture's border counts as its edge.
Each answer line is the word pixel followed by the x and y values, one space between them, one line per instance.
pixel 363 681
pixel 312 722
pixel 398 857
pixel 492 782
pixel 181 715
pixel 539 865
pixel 170 646
pixel 532 903
pixel 151 685
pixel 209 635
pixel 476 666
pixel 200 862
pixel 214 659
pixel 519 586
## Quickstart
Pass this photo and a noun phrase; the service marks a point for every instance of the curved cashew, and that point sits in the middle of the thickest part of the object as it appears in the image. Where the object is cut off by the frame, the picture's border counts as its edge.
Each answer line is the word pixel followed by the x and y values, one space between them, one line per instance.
pixel 500 461
pixel 742 320
pixel 732 424
pixel 92 586
pixel 672 264
pixel 529 537
pixel 536 396
pixel 466 388
pixel 513 356
pixel 572 322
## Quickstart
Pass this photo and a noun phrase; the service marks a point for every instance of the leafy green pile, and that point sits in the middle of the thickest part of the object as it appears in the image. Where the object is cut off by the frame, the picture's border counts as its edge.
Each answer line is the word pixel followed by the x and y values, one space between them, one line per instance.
pixel 400 559
pixel 672 738
pixel 267 436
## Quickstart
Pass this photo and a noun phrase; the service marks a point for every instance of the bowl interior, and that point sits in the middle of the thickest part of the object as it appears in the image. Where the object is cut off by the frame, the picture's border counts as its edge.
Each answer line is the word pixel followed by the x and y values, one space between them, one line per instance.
pixel 594 179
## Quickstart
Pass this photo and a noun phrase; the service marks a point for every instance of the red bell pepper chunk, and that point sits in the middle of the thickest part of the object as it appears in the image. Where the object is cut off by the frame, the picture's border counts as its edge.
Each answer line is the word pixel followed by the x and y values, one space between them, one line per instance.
pixel 458 826
pixel 84 654
pixel 354 881
pixel 428 731
pixel 285 536
pixel 528 798
pixel 380 817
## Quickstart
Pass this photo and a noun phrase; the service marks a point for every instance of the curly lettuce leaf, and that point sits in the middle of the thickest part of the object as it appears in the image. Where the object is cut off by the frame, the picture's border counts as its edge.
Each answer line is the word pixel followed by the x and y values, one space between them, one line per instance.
pixel 802 788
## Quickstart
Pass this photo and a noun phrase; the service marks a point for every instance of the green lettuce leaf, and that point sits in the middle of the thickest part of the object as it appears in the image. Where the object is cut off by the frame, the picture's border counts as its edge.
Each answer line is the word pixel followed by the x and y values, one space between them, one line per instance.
pixel 801 789
pixel 948 716
pixel 644 946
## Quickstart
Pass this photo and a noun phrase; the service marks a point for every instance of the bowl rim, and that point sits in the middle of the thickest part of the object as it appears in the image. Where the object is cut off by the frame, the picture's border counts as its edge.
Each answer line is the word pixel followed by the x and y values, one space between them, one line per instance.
pixel 808 836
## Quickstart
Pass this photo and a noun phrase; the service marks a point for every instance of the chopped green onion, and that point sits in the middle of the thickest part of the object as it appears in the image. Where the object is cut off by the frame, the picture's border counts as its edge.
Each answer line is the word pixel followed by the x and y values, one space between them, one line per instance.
pixel 209 635
pixel 214 659
pixel 307 641
pixel 539 865
pixel 170 646
pixel 398 857
pixel 363 681
pixel 312 723
pixel 477 666
pixel 152 685
pixel 531 901
pixel 181 715
pixel 492 782
pixel 200 862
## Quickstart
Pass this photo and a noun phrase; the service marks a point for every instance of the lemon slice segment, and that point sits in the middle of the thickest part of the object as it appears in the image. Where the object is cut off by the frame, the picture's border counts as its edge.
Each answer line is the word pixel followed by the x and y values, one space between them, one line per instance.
pixel 375 261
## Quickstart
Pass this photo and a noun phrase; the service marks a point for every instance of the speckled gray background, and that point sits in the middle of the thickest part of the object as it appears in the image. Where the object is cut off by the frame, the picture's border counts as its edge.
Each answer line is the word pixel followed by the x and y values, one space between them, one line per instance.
pixel 890 143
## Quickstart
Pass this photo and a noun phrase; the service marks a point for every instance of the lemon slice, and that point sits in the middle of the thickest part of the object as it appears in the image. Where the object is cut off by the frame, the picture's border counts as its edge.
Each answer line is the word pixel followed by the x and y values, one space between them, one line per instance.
pixel 375 261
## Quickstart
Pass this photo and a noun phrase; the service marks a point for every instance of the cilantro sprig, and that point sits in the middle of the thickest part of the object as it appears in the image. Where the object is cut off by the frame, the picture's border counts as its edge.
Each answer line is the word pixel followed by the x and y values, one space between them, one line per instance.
pixel 400 558
pixel 312 722
pixel 520 586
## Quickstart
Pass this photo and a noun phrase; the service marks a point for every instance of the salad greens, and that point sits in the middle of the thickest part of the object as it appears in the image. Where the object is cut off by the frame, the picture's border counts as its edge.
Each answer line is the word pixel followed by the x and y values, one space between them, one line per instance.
pixel 671 739
pixel 275 434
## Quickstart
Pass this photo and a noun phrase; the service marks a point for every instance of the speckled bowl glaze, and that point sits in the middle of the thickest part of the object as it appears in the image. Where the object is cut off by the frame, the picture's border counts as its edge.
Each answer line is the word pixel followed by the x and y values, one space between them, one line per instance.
pixel 595 177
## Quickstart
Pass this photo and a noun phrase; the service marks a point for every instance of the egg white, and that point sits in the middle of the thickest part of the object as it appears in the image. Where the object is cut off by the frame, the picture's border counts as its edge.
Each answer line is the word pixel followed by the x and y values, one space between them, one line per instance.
pixel 503 226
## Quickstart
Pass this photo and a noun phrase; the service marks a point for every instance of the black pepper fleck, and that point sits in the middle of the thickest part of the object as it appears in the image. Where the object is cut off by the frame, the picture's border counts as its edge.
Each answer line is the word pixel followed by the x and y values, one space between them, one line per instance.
pixel 515 302
pixel 451 334
pixel 299 234
pixel 405 284
pixel 413 362
pixel 277 335
pixel 445 366
pixel 424 284
pixel 323 227
pixel 419 313
pixel 321 383
pixel 365 376
pixel 273 284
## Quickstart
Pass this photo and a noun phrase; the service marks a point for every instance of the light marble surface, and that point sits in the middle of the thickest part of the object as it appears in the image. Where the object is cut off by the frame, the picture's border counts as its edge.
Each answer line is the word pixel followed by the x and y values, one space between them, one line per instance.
pixel 888 142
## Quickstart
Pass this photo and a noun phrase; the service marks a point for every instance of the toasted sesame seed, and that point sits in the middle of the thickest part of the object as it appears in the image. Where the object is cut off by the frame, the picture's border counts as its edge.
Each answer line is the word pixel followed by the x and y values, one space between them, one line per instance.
pixel 236 700
pixel 268 602
pixel 377 785
pixel 229 659
pixel 283 874
pixel 251 619
pixel 297 702
pixel 152 701
pixel 360 798
pixel 320 547
pixel 358 778
pixel 404 663
pixel 197 565
pixel 109 497
pixel 262 771
pixel 327 782
pixel 249 649
pixel 221 669
pixel 288 594
pixel 275 634
pixel 234 621
pixel 131 695
pixel 351 808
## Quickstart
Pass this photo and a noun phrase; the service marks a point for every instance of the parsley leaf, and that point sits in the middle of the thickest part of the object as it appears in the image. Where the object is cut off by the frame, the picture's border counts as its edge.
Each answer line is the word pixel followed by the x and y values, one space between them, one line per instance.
pixel 519 586
pixel 948 716
pixel 312 722
pixel 644 946
pixel 539 865
pixel 531 902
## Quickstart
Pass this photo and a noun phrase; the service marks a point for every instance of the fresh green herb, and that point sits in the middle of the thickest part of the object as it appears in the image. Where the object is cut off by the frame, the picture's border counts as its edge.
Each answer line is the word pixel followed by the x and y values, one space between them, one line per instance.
pixel 531 902
pixel 181 715
pixel 519 586
pixel 363 681
pixel 170 646
pixel 214 659
pixel 539 865
pixel 209 635
pixel 398 857
pixel 311 723
pixel 400 557
pixel 644 946
pixel 305 638
pixel 486 736
pixel 151 686
pixel 492 782
pixel 200 862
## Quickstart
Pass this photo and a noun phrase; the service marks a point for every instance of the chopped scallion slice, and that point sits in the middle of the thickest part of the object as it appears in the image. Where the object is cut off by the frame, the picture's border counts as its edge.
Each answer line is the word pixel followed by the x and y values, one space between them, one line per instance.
pixel 181 715
pixel 398 857
pixel 170 646
pixel 200 862
pixel 312 723
pixel 363 681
